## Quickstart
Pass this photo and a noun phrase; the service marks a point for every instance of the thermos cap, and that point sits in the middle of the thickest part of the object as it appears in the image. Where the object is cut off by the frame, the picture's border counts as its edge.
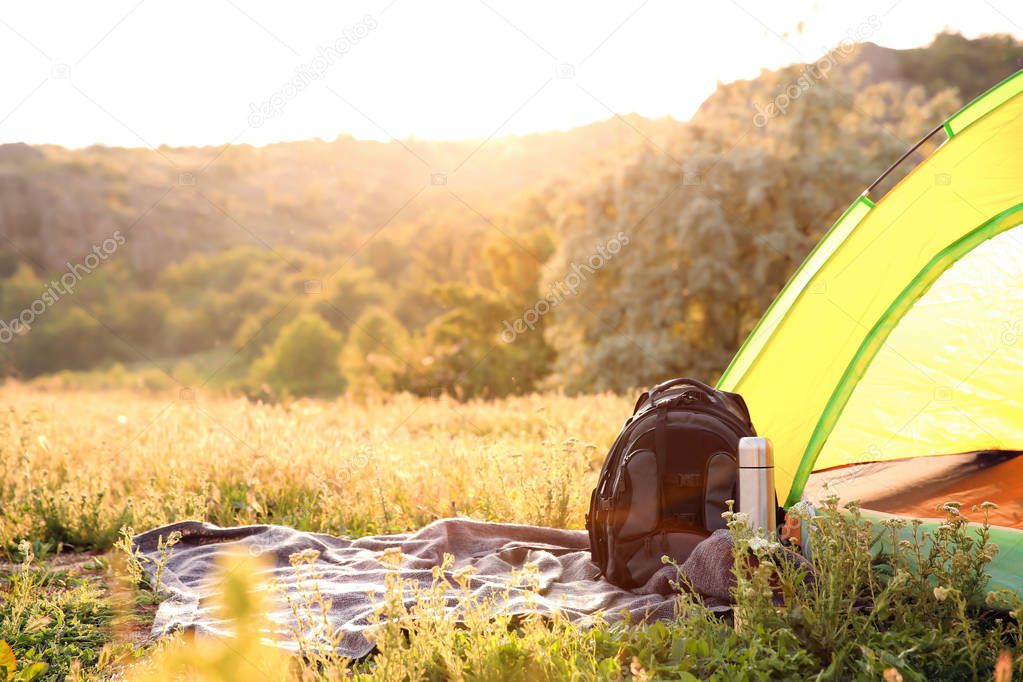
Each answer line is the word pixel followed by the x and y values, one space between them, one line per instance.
pixel 755 453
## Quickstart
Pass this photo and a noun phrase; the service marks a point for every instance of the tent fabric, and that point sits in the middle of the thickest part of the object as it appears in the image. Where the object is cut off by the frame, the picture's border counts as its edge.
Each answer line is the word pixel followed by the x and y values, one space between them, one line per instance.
pixel 826 372
pixel 962 386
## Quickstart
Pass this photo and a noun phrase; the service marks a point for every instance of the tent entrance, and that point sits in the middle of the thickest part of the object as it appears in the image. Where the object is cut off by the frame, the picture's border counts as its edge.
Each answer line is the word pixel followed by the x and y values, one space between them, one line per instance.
pixel 942 371
pixel 917 488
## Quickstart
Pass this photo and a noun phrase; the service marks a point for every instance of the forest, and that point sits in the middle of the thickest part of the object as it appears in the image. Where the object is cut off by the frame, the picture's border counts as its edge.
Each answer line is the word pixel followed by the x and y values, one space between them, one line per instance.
pixel 600 258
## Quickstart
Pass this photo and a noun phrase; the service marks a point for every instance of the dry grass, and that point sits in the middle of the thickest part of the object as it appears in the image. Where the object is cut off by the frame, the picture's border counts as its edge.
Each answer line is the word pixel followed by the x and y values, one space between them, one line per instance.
pixel 78 465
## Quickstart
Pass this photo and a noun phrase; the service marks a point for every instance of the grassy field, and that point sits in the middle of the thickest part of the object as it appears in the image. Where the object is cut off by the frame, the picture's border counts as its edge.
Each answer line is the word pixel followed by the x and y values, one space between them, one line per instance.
pixel 78 467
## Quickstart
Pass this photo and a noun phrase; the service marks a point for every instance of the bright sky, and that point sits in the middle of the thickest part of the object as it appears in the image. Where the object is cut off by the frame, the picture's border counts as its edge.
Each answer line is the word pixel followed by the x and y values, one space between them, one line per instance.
pixel 192 72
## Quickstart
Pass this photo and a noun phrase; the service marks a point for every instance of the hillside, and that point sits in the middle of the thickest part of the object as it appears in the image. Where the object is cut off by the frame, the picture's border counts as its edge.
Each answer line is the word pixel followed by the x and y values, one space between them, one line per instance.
pixel 968 66
pixel 56 201
pixel 404 264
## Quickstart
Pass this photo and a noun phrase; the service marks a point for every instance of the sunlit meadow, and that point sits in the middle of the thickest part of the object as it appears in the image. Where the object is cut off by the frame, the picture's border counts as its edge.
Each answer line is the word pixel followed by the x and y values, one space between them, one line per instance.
pixel 81 470
pixel 78 466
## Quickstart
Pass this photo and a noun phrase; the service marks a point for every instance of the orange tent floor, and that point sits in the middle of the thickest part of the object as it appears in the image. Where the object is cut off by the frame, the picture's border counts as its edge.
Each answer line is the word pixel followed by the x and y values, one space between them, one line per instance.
pixel 918 487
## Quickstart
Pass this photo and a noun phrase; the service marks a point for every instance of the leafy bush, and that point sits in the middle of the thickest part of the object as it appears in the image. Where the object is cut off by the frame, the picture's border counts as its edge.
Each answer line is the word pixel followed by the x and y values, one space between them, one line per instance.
pixel 303 360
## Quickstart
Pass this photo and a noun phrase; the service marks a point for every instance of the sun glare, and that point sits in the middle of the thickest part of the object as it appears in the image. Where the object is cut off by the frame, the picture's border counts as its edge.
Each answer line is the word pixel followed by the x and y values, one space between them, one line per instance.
pixel 151 73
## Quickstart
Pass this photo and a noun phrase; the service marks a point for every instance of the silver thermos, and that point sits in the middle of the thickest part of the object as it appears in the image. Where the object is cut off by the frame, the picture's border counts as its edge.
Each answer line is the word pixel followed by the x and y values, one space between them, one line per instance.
pixel 756 482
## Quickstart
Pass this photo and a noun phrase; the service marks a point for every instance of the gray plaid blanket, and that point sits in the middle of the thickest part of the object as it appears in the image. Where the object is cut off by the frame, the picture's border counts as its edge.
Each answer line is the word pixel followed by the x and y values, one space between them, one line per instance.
pixel 350 572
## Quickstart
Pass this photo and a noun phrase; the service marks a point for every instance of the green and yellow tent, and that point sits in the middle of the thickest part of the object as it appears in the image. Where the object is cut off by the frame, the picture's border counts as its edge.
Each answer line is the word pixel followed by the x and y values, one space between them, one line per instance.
pixel 901 335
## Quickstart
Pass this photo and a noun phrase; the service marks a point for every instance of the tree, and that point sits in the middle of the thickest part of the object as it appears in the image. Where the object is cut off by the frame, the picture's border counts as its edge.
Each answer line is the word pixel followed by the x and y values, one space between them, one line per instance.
pixel 375 356
pixel 716 224
pixel 490 342
pixel 303 359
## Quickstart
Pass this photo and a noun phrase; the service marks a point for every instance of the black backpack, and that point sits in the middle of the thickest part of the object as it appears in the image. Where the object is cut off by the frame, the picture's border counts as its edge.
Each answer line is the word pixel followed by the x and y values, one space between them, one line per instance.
pixel 667 479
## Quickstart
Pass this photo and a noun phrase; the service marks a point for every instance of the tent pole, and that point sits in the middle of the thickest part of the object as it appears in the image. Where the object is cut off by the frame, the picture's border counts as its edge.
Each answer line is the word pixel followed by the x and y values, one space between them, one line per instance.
pixel 902 158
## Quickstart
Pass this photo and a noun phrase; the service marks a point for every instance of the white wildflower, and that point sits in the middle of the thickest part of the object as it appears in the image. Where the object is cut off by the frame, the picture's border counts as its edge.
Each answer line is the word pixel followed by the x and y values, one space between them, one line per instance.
pixel 742 518
pixel 802 509
pixel 760 545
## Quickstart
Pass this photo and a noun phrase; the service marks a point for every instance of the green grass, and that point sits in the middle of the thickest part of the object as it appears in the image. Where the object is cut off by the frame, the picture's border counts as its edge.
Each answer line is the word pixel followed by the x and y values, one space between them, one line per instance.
pixel 58 617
